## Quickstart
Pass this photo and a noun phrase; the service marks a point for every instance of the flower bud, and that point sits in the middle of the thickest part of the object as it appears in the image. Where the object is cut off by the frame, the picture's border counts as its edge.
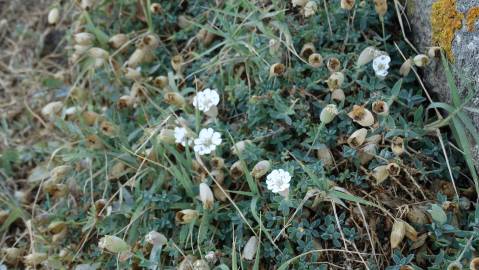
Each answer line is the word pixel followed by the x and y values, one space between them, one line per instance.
pixel 347 4
pixel 366 56
pixel 333 64
pixel 406 67
pixel 186 216
pixel 357 138
pixel 155 8
pixel 177 63
pixel 380 107
pixel 276 70
pixel 421 60
pixel 84 39
pixel 307 50
pixel 328 113
pixel 167 136
pixel 434 52
pixel 113 244
pixel 338 95
pixel 136 58
pixel 315 60
pixel 54 16
pixel 261 169
pixel 236 170
pixel 35 258
pixel 98 53
pixel 156 238
pixel 175 99
pixel 397 145
pixel 249 250
pixel 380 174
pixel 398 232
pixel 381 7
pixel 361 116
pixel 335 80
pixel 117 41
pixel 324 154
pixel 206 196
pixel 217 162
pixel 161 82
pixel 239 147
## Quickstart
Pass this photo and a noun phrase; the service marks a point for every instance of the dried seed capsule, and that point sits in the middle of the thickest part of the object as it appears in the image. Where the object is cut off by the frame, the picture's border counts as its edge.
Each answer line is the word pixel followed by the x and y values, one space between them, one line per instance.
pixel 177 63
pixel 310 9
pixel 397 145
pixel 474 265
pixel 236 170
pixel 155 8
pixel 361 116
pixel 186 263
pixel 335 80
pixel 109 129
pixel 417 216
pixel 186 216
pixel 381 7
pixel 411 233
pixel 219 194
pixel 156 238
pixel 276 70
pixel 338 95
pixel 117 41
pixel 239 147
pixel 249 250
pixel 333 64
pixel 434 52
pixel 328 113
pixel 161 82
pixel 113 244
pixel 218 175
pixel 324 154
pixel 397 233
pixel 84 39
pixel 406 67
pixel 366 56
pixel 94 142
pixel 137 58
pixel 217 162
pixel 393 169
pixel 307 50
pixel 357 138
pixel 206 196
pixel 90 118
pixel 35 258
pixel 201 265
pixel 455 265
pixel 380 174
pixel 59 172
pixel 56 226
pixel 167 136
pixel 205 36
pixel 126 101
pixel 261 169
pixel 300 3
pixel 99 206
pixel 11 255
pixel 380 107
pixel 54 16
pixel 367 153
pixel 315 60
pixel 421 60
pixel 347 4
pixel 175 99
pixel 149 42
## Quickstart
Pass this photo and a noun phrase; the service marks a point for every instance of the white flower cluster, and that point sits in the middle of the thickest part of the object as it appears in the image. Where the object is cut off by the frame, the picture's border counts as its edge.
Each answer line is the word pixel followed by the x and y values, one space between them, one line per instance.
pixel 205 100
pixel 278 181
pixel 381 65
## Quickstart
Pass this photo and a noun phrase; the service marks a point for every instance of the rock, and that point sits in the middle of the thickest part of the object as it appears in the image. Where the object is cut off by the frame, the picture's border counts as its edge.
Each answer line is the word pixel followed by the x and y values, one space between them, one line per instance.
pixel 454 26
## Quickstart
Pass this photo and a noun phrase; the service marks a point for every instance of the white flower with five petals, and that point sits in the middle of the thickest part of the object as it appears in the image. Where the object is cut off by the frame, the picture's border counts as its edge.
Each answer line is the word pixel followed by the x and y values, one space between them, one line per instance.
pixel 381 65
pixel 207 141
pixel 181 136
pixel 206 99
pixel 278 181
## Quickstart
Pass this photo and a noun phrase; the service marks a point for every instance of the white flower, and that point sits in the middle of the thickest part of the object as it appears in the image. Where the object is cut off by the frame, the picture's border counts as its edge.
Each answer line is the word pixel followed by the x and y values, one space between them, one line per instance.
pixel 207 141
pixel 278 180
pixel 206 99
pixel 181 136
pixel 381 65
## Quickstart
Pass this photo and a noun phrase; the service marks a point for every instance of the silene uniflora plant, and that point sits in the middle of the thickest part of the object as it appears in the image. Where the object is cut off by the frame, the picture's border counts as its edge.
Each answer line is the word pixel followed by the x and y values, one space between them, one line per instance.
pixel 243 135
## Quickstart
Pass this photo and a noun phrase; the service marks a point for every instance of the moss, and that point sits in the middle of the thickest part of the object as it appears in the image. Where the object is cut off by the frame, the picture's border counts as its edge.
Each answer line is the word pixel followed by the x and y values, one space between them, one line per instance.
pixel 471 18
pixel 445 21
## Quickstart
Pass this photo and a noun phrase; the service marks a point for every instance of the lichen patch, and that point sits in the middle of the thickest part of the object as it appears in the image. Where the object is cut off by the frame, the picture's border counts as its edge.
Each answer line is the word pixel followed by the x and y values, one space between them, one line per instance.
pixel 471 18
pixel 445 21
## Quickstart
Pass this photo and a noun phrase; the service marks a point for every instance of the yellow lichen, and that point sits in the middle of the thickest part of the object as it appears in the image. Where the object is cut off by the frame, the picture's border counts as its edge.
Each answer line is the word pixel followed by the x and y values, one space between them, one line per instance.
pixel 445 21
pixel 471 18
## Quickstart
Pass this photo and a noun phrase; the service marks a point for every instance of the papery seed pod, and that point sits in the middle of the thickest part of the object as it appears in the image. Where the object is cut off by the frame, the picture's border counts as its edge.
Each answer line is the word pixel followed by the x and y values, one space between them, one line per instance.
pixel 167 136
pixel 52 109
pixel 205 37
pixel 328 113
pixel 367 153
pixel 138 91
pixel 90 118
pixel 186 263
pixel 455 265
pixel 376 139
pixel 361 116
pixel 201 265
pixel 411 233
pixel 249 250
pixel 117 41
pixel 161 82
pixel 338 95
pixel 58 191
pixel 59 172
pixel 333 64
pixel 177 63
pixel 380 174
pixel 218 175
pixel 357 138
pixel 86 4
pixel 398 232
pixel 239 147
pixel 393 169
pixel 98 53
pixel 366 56
pixel 236 170
pixel 117 170
pixel 335 80
pixel 434 52
pixel 206 196
pixel 156 239
pixel 54 16
pixel 417 216
pixel 474 265
pixel 184 21
pixel 12 255
pixel 35 258
pixel 300 3
pixel 56 226
pixel 261 169
pixel 81 49
pixel 276 70
pixel 406 67
pixel 397 145
pixel 126 101
pixel 381 7
pixel 137 58
pixel 186 216
pixel 324 154
pixel 109 129
pixel 219 194
pixel 149 42
pixel 310 9
pixel 155 8
pixel 421 60
pixel 315 60
pixel 93 142
pixel 84 39
pixel 307 50
pixel 175 99
pixel 113 244
pixel 347 4
pixel 217 162
pixel 380 107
